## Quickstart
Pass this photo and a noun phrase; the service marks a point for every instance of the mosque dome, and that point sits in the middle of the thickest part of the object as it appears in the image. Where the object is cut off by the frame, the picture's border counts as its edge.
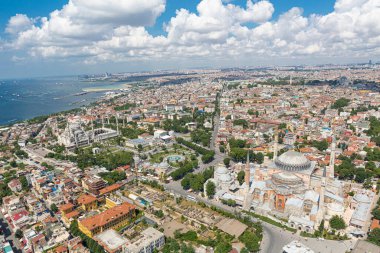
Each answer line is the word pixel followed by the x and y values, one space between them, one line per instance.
pixel 285 178
pixel 335 209
pixel 292 161
pixel 225 178
pixel 220 170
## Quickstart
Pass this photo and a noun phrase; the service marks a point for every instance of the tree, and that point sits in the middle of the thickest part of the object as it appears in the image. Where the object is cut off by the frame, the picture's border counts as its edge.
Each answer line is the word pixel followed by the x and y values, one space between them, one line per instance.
pixel 24 182
pixel 376 213
pixel 370 166
pixel 340 103
pixel 223 247
pixel 54 208
pixel 19 234
pixel 337 222
pixel 226 161
pixel 210 189
pixel 374 236
pixel 241 176
pixel 259 158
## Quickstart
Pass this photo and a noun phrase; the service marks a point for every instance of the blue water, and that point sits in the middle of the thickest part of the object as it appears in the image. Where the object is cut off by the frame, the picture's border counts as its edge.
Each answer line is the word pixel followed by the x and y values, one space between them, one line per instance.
pixel 27 98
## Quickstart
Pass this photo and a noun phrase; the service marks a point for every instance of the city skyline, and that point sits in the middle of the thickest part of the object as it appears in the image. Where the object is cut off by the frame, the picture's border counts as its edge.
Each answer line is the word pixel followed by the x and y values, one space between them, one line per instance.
pixel 73 37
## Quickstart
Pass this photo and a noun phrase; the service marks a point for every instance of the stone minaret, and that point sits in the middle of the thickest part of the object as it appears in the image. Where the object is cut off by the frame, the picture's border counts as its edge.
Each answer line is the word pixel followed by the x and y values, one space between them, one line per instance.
pixel 247 171
pixel 330 172
pixel 248 197
pixel 117 124
pixel 275 146
pixel 321 205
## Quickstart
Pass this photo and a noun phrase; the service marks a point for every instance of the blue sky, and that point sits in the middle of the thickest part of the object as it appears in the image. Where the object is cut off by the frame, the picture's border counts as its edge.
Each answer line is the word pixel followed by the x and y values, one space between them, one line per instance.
pixel 129 35
pixel 35 8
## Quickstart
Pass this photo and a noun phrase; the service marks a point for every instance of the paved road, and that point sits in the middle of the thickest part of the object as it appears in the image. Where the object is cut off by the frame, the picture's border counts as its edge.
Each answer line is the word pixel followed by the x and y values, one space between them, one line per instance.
pixel 9 236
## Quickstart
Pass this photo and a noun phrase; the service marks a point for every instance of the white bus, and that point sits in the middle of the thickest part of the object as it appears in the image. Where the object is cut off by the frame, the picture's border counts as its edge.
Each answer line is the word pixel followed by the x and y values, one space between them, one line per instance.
pixel 191 198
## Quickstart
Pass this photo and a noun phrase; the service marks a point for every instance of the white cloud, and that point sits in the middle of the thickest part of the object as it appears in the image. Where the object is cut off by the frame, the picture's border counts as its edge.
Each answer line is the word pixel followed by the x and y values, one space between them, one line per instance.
pixel 18 23
pixel 115 30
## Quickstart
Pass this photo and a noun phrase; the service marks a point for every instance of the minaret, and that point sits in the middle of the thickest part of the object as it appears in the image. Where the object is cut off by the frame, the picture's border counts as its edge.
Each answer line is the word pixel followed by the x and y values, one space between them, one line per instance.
pixel 330 172
pixel 247 172
pixel 248 197
pixel 275 146
pixel 117 124
pixel 321 204
pixel 92 128
pixel 102 121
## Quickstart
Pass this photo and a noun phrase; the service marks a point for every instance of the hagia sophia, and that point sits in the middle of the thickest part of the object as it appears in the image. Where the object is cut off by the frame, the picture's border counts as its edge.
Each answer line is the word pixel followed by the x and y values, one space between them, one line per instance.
pixel 293 188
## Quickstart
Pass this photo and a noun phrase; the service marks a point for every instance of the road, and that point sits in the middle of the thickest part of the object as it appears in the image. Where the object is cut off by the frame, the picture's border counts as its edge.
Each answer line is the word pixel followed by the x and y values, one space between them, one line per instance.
pixel 9 236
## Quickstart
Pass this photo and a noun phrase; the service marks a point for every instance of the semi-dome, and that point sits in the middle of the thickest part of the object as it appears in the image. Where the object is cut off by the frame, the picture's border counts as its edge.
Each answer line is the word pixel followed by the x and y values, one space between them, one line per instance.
pixel 286 179
pixel 292 161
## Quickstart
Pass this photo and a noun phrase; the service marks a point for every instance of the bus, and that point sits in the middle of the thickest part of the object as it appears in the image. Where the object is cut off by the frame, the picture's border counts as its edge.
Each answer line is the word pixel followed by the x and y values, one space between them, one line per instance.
pixel 191 198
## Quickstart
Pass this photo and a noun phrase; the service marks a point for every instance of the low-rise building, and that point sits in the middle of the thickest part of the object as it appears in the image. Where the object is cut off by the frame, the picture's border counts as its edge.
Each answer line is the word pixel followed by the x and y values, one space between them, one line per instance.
pixel 112 218
pixel 149 240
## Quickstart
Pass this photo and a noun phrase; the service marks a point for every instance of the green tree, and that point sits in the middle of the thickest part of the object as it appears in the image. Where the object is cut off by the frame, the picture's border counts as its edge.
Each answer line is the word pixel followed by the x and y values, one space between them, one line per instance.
pixel 226 161
pixel 374 236
pixel 337 222
pixel 340 103
pixel 210 189
pixel 241 176
pixel 19 234
pixel 24 182
pixel 54 208
pixel 223 247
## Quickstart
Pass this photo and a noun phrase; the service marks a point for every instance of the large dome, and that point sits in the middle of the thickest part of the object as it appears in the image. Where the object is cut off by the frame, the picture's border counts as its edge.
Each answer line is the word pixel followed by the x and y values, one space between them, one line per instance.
pixel 292 161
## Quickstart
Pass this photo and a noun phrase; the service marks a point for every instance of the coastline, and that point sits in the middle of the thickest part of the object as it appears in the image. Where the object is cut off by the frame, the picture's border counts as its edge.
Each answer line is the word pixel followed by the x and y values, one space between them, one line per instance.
pixel 112 87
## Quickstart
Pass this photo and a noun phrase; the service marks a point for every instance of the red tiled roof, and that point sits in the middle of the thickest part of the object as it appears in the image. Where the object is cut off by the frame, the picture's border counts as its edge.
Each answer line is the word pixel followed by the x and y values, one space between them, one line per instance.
pixel 110 189
pixel 72 214
pixel 61 249
pixel 19 215
pixel 86 199
pixel 66 207
pixel 105 217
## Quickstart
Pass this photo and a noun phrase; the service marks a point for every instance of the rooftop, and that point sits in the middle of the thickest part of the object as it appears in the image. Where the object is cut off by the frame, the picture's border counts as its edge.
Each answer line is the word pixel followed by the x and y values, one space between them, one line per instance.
pixel 109 189
pixel 296 247
pixel 111 239
pixel 108 216
pixel 86 199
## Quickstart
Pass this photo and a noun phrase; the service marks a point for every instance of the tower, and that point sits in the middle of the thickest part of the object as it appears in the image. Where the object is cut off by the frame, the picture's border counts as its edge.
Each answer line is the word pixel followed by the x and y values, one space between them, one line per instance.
pixel 275 146
pixel 247 171
pixel 321 204
pixel 330 172
pixel 117 124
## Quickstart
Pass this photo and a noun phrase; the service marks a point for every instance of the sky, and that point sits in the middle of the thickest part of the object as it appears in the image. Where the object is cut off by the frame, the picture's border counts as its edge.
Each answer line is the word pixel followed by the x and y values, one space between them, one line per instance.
pixel 63 37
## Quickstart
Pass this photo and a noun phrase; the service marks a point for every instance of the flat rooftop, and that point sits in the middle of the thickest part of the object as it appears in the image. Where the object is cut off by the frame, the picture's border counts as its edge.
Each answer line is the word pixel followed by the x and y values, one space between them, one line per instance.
pixel 296 247
pixel 232 227
pixel 111 239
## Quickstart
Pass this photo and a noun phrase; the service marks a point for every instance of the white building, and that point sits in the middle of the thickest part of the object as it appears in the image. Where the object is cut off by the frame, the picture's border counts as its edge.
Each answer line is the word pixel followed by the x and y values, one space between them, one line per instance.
pixel 296 247
pixel 149 240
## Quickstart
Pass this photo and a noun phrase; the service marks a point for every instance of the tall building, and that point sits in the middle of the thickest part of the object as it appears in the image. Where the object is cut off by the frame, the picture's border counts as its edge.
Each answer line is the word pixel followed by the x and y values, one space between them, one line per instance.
pixel 93 184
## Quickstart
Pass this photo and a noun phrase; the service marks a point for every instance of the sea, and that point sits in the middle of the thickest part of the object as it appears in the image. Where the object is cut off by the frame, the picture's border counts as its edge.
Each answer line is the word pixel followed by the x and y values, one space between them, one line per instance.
pixel 22 99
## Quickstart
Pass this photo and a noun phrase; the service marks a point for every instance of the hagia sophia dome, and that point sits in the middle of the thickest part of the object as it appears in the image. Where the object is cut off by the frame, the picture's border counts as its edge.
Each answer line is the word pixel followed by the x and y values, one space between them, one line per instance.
pixel 292 161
